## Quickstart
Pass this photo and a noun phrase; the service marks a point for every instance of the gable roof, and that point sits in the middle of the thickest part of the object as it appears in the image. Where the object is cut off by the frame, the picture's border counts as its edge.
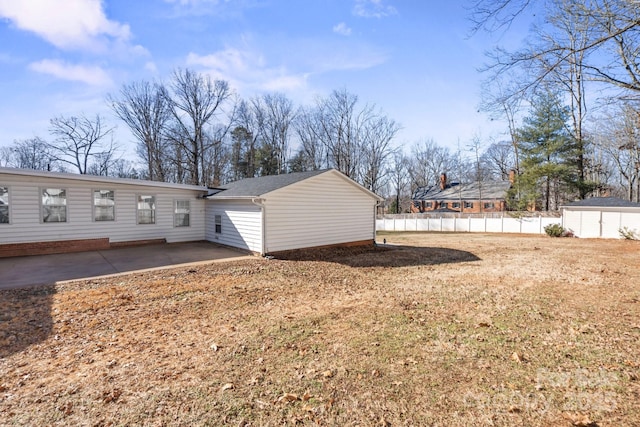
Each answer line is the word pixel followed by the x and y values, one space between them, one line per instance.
pixel 604 202
pixel 260 186
pixel 457 191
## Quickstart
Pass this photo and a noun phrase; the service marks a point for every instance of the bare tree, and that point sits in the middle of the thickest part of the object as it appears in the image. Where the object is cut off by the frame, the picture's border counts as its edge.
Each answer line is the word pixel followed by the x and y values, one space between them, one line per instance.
pixel 245 140
pixel 498 160
pixel 339 129
pixel 609 27
pixel 33 153
pixel 6 157
pixel 620 139
pixel 277 115
pixel 503 98
pixel 195 100
pixel 80 141
pixel 146 110
pixel 495 15
pixel 399 178
pixel 377 134
pixel 312 154
pixel 429 160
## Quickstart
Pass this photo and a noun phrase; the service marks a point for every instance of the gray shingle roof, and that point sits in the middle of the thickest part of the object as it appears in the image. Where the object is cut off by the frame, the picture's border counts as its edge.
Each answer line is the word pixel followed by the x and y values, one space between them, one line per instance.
pixel 256 187
pixel 609 202
pixel 471 191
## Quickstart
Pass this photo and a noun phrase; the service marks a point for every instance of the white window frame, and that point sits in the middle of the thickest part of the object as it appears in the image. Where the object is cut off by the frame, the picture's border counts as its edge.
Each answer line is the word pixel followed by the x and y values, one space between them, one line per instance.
pixel 93 204
pixel 468 205
pixel 8 205
pixel 153 209
pixel 65 205
pixel 489 205
pixel 217 223
pixel 176 214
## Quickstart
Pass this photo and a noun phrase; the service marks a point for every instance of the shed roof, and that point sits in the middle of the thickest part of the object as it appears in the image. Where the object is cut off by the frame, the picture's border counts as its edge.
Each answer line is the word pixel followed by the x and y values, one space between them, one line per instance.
pixel 260 186
pixel 457 191
pixel 604 202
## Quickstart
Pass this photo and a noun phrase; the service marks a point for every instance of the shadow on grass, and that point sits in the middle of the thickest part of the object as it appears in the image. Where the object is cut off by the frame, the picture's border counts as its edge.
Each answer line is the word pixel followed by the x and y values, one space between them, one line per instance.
pixel 25 318
pixel 380 256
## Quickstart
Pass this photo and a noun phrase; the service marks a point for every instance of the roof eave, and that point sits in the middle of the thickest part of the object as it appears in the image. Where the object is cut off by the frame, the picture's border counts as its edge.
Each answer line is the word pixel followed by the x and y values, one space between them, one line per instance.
pixel 98 178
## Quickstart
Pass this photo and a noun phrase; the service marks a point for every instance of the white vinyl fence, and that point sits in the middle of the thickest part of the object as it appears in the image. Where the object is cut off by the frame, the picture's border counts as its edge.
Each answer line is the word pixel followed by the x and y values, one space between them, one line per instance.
pixel 528 225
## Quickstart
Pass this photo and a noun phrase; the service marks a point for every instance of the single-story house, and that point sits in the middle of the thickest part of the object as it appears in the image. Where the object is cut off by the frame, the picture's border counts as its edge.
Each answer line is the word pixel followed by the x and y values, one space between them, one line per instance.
pixel 601 217
pixel 475 197
pixel 49 212
pixel 298 210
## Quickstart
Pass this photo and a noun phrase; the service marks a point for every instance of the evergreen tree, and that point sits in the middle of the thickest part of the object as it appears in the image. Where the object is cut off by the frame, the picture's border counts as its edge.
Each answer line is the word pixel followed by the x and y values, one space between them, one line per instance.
pixel 548 155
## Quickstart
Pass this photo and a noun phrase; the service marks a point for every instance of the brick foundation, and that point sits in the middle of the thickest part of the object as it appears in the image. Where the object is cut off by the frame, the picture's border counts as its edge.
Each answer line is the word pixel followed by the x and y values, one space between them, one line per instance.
pixel 67 246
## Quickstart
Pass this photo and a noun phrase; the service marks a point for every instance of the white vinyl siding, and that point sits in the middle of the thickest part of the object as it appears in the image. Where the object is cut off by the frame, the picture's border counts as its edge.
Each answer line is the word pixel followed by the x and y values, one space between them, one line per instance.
pixel 326 209
pixel 604 222
pixel 27 226
pixel 240 224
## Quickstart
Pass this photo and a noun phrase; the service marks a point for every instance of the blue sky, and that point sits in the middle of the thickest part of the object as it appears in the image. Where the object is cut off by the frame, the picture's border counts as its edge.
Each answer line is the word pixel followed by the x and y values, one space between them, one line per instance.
pixel 413 59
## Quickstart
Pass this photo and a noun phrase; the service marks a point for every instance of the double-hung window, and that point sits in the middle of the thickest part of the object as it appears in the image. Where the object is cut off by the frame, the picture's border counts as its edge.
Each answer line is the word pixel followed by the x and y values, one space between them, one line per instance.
pixel 181 213
pixel 146 209
pixel 4 205
pixel 104 205
pixel 218 222
pixel 54 205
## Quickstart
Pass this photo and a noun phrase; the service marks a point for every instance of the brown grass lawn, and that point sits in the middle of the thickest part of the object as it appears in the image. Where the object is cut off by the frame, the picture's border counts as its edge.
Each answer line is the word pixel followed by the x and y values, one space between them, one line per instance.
pixel 438 329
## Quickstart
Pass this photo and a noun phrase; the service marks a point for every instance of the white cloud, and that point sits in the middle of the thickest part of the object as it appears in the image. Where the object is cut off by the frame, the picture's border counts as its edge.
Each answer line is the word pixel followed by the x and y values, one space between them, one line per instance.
pixel 373 9
pixel 342 29
pixel 151 67
pixel 247 70
pixel 91 75
pixel 68 24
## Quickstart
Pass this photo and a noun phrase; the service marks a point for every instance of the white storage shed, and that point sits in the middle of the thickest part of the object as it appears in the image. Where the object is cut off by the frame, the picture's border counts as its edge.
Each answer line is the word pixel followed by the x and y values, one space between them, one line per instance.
pixel 298 210
pixel 601 217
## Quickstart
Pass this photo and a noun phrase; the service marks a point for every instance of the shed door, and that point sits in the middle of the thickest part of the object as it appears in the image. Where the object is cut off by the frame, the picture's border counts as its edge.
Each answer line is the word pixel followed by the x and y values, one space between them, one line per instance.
pixel 611 225
pixel 590 224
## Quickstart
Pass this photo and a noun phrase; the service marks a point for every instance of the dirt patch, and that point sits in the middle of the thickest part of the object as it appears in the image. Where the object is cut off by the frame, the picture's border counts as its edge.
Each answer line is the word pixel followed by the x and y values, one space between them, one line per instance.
pixel 446 329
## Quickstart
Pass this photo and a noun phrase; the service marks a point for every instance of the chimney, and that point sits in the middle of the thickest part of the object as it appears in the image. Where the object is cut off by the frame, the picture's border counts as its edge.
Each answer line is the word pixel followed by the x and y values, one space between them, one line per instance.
pixel 443 181
pixel 512 176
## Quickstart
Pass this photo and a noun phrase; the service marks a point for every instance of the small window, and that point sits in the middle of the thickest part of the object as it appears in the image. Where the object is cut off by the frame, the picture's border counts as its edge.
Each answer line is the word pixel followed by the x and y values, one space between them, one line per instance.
pixel 468 205
pixel 54 205
pixel 489 205
pixel 4 205
pixel 444 204
pixel 146 209
pixel 181 213
pixel 218 224
pixel 104 205
pixel 428 205
pixel 455 205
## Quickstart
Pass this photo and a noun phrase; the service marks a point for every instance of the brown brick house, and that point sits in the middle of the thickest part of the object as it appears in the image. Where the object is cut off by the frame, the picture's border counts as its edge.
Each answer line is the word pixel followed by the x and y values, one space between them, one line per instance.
pixel 476 197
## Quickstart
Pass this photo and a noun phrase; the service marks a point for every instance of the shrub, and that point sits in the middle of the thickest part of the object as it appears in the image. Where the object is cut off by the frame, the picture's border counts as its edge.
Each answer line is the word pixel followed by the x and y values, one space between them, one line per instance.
pixel 555 230
pixel 627 234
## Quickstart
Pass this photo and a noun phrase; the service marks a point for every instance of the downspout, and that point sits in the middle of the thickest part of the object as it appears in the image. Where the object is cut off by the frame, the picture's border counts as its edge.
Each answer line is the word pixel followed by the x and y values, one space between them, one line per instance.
pixel 260 202
pixel 375 214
